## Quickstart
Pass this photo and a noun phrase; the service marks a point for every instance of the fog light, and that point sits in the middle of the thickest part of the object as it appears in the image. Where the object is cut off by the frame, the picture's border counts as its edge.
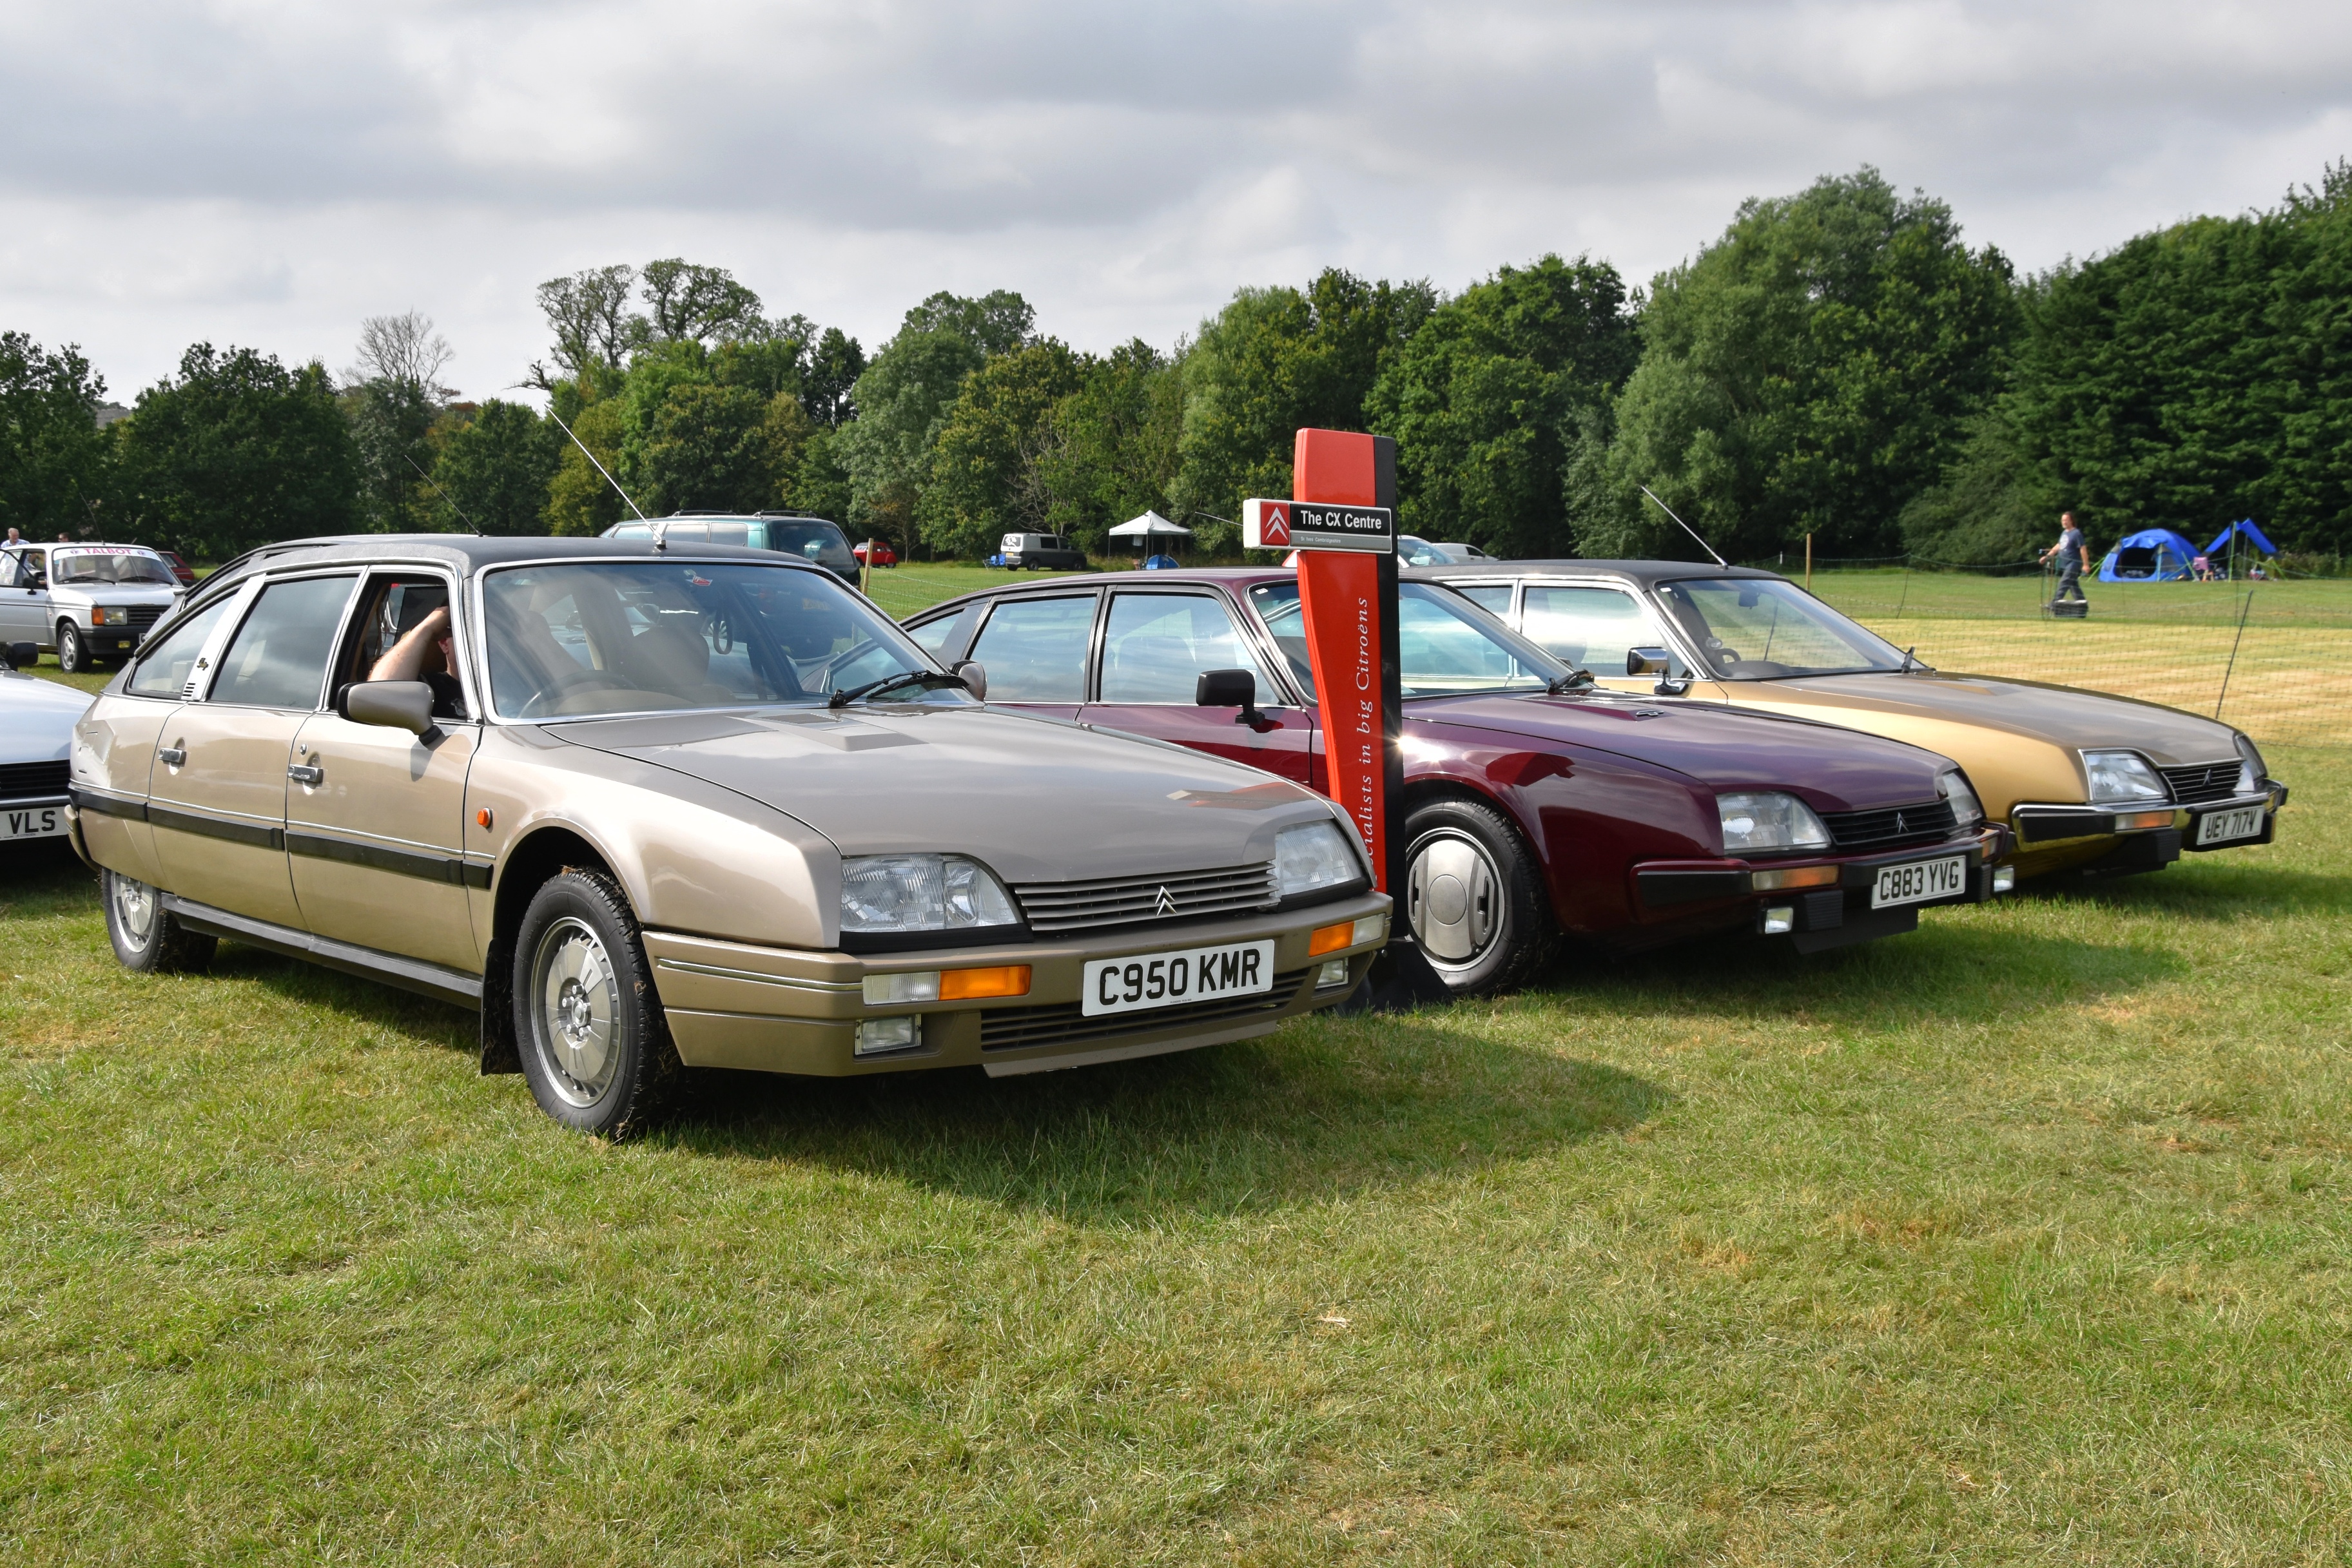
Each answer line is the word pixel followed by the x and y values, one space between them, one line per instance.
pixel 2004 878
pixel 914 985
pixel 1798 876
pixel 1780 920
pixel 1334 972
pixel 879 1037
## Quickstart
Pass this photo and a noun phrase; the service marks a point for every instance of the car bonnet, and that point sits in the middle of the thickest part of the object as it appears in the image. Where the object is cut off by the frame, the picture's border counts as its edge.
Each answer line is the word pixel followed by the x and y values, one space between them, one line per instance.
pixel 1036 799
pixel 1833 770
pixel 2059 715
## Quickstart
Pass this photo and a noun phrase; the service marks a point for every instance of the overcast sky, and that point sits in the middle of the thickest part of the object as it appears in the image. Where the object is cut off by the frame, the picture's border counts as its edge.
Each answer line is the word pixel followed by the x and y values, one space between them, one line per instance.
pixel 263 172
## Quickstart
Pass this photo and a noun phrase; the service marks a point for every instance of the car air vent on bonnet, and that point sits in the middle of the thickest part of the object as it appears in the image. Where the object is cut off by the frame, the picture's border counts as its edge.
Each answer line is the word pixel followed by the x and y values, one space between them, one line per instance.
pixel 20 780
pixel 1926 823
pixel 1122 901
pixel 2202 781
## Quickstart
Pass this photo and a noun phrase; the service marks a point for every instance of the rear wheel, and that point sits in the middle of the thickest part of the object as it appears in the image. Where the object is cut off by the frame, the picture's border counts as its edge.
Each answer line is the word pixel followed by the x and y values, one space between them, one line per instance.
pixel 1473 897
pixel 73 653
pixel 594 1045
pixel 148 938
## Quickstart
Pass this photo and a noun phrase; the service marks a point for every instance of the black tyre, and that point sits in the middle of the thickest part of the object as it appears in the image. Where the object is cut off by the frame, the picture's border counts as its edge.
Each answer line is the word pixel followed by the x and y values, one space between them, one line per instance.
pixel 73 653
pixel 588 1022
pixel 1474 896
pixel 148 938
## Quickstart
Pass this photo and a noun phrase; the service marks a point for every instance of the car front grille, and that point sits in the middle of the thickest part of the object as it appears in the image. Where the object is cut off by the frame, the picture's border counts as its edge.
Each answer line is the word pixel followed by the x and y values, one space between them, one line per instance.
pixel 2201 781
pixel 1127 900
pixel 142 616
pixel 1927 823
pixel 20 780
pixel 1065 1023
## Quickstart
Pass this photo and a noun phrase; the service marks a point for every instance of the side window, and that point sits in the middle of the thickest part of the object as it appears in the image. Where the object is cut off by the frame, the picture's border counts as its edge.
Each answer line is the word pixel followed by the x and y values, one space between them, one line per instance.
pixel 1156 643
pixel 685 533
pixel 391 607
pixel 1276 604
pixel 932 636
pixel 1495 598
pixel 731 533
pixel 7 570
pixel 1034 650
pixel 1587 627
pixel 278 657
pixel 165 664
pixel 633 531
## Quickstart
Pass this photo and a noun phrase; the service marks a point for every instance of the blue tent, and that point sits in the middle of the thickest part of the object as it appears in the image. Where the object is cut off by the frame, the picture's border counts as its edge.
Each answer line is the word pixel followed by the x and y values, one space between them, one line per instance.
pixel 2243 528
pixel 2151 555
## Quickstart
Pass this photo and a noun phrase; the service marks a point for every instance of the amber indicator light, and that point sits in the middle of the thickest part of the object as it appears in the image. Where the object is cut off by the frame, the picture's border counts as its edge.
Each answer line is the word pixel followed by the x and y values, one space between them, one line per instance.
pixel 964 985
pixel 483 816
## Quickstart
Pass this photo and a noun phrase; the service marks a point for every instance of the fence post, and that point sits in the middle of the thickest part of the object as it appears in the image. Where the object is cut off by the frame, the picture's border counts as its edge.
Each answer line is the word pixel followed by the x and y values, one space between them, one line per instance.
pixel 2244 611
pixel 1809 563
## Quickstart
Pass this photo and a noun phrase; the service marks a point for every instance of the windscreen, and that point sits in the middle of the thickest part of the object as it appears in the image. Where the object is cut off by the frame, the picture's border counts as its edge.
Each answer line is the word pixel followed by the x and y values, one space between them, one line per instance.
pixel 1445 646
pixel 815 542
pixel 1761 629
pixel 109 567
pixel 604 637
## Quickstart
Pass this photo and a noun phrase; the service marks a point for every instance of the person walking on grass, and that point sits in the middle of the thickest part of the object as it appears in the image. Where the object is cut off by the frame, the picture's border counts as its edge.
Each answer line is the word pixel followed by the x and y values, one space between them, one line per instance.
pixel 2073 558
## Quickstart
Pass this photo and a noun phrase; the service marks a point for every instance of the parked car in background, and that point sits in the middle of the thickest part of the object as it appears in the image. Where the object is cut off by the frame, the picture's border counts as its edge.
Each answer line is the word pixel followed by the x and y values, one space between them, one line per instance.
pixel 1045 552
pixel 180 567
pixel 797 534
pixel 36 721
pixel 82 602
pixel 2092 784
pixel 663 805
pixel 883 555
pixel 1535 805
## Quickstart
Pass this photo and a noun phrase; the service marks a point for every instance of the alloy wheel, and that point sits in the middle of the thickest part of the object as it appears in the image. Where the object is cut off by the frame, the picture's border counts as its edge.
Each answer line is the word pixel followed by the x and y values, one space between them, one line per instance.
pixel 576 1011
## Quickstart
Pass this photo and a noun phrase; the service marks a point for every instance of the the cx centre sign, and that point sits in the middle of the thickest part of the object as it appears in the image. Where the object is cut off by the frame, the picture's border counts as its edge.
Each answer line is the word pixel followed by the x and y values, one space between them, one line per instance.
pixel 1317 525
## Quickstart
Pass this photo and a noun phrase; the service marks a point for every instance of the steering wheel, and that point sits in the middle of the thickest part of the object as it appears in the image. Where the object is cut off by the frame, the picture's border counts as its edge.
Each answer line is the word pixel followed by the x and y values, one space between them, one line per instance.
pixel 565 686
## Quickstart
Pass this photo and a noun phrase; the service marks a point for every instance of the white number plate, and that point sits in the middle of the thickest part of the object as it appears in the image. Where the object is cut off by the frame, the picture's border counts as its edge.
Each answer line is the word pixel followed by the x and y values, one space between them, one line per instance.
pixel 2220 827
pixel 1919 881
pixel 33 822
pixel 1171 979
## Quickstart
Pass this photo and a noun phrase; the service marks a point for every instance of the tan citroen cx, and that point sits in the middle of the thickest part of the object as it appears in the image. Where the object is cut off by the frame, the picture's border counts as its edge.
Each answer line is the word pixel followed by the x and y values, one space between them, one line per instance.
pixel 651 808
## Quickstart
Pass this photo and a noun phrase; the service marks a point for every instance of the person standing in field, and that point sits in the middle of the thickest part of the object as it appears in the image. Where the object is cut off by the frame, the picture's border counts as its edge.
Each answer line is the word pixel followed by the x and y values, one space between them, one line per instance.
pixel 2073 558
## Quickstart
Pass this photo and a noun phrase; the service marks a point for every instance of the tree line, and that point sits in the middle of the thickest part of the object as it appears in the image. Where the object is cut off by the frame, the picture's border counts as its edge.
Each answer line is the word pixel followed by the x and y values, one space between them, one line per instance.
pixel 1838 363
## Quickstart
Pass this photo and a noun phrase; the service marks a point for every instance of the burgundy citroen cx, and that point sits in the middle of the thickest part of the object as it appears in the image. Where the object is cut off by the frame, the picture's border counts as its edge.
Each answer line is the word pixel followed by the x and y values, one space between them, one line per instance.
pixel 1538 808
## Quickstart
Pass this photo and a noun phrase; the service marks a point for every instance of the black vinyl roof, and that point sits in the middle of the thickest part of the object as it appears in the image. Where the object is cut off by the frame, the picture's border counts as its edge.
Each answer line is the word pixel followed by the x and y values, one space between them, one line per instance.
pixel 1640 573
pixel 470 553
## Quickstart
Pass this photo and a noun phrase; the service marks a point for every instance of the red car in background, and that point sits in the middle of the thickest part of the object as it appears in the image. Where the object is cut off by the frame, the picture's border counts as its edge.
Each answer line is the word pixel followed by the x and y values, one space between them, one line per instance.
pixel 180 569
pixel 883 554
pixel 1535 805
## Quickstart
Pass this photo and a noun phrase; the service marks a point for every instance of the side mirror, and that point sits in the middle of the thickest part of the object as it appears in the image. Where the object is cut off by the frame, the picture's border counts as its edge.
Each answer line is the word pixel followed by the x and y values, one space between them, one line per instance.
pixel 1648 661
pixel 396 704
pixel 975 676
pixel 1229 688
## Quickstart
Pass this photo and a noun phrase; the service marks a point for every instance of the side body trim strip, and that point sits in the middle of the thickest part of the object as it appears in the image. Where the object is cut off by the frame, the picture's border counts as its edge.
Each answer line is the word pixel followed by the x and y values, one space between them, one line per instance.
pixel 409 973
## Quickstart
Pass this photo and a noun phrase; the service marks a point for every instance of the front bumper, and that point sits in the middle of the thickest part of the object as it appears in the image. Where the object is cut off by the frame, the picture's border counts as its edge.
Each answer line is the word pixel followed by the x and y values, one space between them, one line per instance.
pixel 1819 915
pixel 2040 827
pixel 774 1009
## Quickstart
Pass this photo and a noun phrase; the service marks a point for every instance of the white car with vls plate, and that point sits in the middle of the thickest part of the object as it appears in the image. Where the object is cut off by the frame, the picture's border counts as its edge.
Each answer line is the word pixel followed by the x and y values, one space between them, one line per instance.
pixel 83 601
pixel 36 722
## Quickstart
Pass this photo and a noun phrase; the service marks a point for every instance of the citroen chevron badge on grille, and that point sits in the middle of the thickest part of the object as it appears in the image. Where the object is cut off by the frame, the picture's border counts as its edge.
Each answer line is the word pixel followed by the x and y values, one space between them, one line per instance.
pixel 1166 903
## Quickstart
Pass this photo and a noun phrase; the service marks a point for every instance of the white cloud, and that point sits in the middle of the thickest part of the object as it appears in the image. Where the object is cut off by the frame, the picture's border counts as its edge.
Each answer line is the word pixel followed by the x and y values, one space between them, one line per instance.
pixel 264 172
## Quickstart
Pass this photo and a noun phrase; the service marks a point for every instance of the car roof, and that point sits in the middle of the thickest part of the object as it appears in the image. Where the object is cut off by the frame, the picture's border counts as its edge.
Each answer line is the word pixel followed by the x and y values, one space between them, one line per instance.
pixel 470 553
pixel 1231 576
pixel 1643 574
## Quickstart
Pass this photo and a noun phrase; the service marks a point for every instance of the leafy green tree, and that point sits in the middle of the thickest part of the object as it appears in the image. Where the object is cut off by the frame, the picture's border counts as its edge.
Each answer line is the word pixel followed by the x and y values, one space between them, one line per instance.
pixel 1486 402
pixel 580 502
pixel 494 470
pixel 1275 359
pixel 984 479
pixel 692 304
pixel 394 399
pixel 834 366
pixel 819 482
pixel 1111 450
pixel 1809 372
pixel 52 454
pixel 238 451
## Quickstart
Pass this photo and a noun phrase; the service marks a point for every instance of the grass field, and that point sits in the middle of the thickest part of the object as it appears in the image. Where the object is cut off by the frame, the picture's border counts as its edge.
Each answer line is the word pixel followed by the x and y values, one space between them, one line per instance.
pixel 2022 1238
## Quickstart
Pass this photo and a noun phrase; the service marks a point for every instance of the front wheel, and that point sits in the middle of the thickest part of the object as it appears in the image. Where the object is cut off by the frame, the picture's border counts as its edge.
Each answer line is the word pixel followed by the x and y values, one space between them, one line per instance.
pixel 148 938
pixel 595 1047
pixel 73 653
pixel 1474 896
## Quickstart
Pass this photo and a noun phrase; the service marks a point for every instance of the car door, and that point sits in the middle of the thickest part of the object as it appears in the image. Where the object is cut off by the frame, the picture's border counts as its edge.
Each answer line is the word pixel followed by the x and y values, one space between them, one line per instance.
pixel 117 744
pixel 216 799
pixel 1155 645
pixel 25 598
pixel 374 815
pixel 1035 651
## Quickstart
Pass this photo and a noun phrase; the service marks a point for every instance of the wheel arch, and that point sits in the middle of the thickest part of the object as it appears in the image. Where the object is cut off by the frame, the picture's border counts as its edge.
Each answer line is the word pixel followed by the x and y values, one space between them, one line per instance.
pixel 541 853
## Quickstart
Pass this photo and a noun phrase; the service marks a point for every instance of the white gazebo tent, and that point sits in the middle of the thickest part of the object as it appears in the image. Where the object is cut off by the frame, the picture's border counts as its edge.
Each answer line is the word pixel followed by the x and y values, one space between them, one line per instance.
pixel 1148 530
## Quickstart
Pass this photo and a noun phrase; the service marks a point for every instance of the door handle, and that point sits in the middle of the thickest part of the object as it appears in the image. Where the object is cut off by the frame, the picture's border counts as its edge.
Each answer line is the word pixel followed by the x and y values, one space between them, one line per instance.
pixel 173 756
pixel 303 774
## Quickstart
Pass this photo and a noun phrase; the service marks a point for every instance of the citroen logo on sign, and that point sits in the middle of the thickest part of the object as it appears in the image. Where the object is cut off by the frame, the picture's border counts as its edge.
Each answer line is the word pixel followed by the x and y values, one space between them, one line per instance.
pixel 1166 903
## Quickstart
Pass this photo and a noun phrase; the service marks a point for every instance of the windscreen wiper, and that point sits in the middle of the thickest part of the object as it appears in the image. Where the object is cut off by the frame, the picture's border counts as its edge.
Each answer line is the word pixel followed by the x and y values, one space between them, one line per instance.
pixel 892 683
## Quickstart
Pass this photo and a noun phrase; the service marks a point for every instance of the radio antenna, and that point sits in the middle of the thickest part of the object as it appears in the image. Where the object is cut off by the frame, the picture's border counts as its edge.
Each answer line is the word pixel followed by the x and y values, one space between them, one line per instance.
pixel 600 468
pixel 1679 523
pixel 437 490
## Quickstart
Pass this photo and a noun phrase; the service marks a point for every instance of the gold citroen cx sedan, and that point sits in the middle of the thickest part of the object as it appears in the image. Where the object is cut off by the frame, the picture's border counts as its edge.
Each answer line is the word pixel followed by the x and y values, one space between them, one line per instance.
pixel 2092 784
pixel 651 808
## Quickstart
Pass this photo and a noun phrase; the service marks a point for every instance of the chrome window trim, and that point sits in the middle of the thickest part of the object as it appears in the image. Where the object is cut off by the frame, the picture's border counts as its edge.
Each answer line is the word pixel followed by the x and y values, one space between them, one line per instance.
pixel 215 650
pixel 1246 632
pixel 464 671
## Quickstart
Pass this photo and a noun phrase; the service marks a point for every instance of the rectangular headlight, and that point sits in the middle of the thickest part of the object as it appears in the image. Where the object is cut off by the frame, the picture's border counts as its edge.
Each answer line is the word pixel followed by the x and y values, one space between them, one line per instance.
pixel 2118 775
pixel 1768 822
pixel 1954 787
pixel 921 893
pixel 1314 855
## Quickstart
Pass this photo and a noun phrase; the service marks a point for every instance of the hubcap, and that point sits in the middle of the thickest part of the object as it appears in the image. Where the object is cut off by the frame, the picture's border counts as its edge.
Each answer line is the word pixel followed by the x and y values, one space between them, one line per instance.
pixel 134 910
pixel 577 1011
pixel 1454 897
